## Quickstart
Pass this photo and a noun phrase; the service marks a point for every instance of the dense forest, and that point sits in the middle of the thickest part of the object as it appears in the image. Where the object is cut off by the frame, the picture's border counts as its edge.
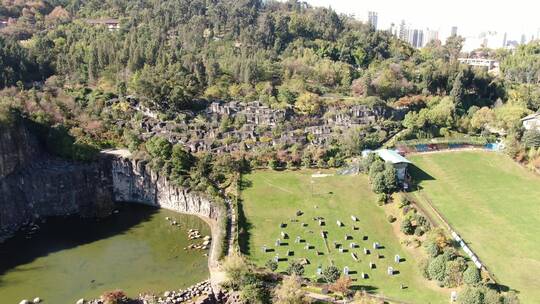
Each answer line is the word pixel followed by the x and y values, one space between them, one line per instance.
pixel 95 74
pixel 61 69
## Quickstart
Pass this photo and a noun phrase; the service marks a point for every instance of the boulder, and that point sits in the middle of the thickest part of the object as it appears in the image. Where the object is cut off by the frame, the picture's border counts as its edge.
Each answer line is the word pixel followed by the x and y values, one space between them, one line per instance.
pixel 80 301
pixel 36 300
pixel 24 302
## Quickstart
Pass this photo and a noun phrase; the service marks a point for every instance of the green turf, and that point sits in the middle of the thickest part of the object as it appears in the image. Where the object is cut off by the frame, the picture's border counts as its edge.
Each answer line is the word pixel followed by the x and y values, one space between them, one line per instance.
pixel 495 205
pixel 270 198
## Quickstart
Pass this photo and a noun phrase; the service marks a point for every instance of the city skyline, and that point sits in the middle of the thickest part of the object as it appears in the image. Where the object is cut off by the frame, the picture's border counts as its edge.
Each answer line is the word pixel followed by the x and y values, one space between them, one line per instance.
pixel 472 18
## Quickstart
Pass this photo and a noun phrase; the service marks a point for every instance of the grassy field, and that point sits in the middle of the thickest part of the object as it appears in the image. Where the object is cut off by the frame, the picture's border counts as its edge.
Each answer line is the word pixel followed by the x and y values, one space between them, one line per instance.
pixel 495 205
pixel 271 198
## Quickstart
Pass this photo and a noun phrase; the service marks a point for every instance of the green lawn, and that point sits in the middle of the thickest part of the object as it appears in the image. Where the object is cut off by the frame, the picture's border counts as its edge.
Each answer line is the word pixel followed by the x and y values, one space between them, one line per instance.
pixel 271 198
pixel 495 205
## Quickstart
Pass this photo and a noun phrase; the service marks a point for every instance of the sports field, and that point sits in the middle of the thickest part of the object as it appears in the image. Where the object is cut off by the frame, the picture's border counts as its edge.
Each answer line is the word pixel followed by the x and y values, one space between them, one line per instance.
pixel 271 198
pixel 495 205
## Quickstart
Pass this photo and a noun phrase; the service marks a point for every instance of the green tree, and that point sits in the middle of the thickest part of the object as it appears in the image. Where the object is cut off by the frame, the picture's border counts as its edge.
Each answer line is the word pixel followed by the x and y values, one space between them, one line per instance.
pixel 330 274
pixel 531 138
pixel 378 183
pixel 308 104
pixel 406 226
pixel 290 291
pixel 390 178
pixel 457 92
pixel 437 268
pixel 454 272
pixel 181 162
pixel 471 295
pixel 159 147
pixel 432 248
pixel 471 275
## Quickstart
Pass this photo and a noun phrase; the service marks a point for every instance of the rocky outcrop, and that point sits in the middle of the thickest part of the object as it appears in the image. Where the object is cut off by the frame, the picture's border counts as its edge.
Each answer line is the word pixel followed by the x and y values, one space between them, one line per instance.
pixel 134 182
pixel 35 185
pixel 18 148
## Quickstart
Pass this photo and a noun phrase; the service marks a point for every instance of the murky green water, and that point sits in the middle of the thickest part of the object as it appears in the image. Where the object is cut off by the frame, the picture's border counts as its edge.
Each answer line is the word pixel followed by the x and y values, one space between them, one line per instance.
pixel 136 250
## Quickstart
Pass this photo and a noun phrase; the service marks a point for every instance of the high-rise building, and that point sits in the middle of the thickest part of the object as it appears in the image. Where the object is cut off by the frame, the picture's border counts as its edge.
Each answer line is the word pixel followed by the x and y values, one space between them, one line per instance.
pixel 416 38
pixel 431 35
pixel 505 38
pixel 523 39
pixel 391 28
pixel 453 31
pixel 420 39
pixel 372 19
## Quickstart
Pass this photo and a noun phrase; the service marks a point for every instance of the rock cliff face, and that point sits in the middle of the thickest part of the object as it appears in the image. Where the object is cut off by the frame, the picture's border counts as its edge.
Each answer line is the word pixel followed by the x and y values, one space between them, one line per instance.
pixel 18 148
pixel 34 185
pixel 134 182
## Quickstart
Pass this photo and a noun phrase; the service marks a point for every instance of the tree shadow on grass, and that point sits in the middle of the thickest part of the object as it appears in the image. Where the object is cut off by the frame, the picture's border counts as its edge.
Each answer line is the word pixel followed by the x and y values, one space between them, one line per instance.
pixel 501 288
pixel 366 288
pixel 244 184
pixel 244 229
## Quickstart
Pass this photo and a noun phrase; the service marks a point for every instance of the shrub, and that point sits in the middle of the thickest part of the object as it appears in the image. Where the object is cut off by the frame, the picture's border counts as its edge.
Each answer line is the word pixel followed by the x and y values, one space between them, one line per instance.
pixel 391 218
pixel 450 253
pixel 454 272
pixel 432 248
pixel 342 285
pixel 271 265
pixel 273 164
pixel 236 269
pixel 407 226
pixel 437 268
pixel 406 209
pixel 421 221
pixel 404 202
pixel 331 274
pixel 254 293
pixel 295 268
pixel 491 296
pixel 471 295
pixel 114 297
pixel 290 291
pixel 382 198
pixel 471 275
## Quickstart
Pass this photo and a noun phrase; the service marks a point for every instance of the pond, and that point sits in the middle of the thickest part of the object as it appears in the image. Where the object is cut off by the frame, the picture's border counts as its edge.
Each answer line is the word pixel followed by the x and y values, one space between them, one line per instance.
pixel 136 250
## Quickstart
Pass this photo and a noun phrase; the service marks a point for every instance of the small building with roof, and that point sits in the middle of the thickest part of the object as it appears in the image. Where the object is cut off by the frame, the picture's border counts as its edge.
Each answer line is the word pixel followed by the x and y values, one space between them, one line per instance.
pixel 392 156
pixel 531 122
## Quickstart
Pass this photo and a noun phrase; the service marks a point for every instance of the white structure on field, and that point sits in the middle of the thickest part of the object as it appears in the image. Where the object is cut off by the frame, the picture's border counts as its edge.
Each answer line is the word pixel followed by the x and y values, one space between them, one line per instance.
pixel 392 156
pixel 531 122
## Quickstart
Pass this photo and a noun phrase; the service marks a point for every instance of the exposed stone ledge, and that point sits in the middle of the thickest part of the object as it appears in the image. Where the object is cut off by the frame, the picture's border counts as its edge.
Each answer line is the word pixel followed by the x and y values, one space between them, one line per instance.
pixel 134 181
pixel 34 185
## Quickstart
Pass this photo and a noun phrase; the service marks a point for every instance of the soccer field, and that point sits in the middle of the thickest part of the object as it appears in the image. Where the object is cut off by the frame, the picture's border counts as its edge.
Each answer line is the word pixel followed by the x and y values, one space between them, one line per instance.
pixel 271 198
pixel 495 205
